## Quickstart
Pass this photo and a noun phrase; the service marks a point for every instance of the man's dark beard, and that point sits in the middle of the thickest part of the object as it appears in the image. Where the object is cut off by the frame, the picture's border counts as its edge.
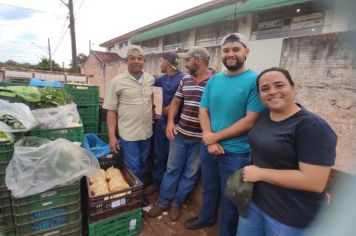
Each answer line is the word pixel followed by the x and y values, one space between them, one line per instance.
pixel 193 70
pixel 235 67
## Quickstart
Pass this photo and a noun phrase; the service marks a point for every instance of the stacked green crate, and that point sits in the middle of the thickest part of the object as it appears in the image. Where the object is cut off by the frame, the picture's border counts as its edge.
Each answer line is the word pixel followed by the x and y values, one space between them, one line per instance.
pixel 6 150
pixel 6 220
pixel 74 134
pixel 126 224
pixel 55 210
pixel 87 99
pixel 103 132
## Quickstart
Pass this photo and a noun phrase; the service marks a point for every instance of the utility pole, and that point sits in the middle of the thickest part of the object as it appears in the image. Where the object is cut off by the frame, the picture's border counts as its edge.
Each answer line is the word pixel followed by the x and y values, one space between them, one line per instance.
pixel 72 35
pixel 50 55
pixel 89 46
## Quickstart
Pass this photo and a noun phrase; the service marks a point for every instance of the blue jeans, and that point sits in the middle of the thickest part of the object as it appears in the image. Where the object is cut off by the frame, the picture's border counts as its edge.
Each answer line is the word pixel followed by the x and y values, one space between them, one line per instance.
pixel 258 223
pixel 160 150
pixel 215 171
pixel 136 155
pixel 182 171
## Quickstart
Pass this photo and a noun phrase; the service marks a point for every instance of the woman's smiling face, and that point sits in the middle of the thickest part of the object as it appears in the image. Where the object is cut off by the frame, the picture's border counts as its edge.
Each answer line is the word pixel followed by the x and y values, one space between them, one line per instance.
pixel 276 91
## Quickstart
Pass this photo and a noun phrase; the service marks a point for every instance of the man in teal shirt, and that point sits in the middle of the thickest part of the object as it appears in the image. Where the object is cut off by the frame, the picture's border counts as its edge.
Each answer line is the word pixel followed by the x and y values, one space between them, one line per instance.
pixel 229 108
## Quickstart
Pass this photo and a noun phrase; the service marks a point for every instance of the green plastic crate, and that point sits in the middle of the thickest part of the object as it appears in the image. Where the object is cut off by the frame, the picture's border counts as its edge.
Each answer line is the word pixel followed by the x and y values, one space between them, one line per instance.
pixel 49 199
pixel 45 225
pixel 104 137
pixel 7 83
pixel 6 219
pixel 124 225
pixel 88 113
pixel 73 229
pixel 5 199
pixel 26 217
pixel 74 134
pixel 5 156
pixel 7 231
pixel 3 166
pixel 83 94
pixel 103 128
pixel 90 127
pixel 2 179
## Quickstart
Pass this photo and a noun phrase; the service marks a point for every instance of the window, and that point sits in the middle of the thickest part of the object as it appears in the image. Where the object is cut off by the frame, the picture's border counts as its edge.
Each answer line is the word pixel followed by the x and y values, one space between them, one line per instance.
pixel 110 49
pixel 296 20
pixel 175 40
pixel 352 23
pixel 150 46
pixel 123 45
pixel 211 35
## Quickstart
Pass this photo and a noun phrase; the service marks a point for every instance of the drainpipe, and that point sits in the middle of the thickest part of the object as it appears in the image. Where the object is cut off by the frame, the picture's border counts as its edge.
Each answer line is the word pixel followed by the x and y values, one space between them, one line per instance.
pixel 104 68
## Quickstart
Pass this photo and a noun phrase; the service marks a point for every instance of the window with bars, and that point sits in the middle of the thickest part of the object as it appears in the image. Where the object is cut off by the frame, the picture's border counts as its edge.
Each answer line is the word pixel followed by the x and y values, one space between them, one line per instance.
pixel 297 20
pixel 123 44
pixel 211 35
pixel 176 40
pixel 150 45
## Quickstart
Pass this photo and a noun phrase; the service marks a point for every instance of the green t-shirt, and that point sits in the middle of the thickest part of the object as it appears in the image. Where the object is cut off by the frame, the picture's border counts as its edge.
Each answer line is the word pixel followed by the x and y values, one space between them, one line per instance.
pixel 228 98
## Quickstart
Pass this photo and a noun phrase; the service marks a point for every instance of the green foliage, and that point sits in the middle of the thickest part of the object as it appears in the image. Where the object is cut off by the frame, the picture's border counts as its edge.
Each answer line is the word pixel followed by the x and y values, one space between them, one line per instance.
pixel 15 64
pixel 81 58
pixel 45 65
pixel 52 97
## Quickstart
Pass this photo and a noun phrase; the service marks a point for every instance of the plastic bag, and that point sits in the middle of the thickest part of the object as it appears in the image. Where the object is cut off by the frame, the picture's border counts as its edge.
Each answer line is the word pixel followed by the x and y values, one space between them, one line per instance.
pixel 21 113
pixel 57 117
pixel 39 164
pixel 95 145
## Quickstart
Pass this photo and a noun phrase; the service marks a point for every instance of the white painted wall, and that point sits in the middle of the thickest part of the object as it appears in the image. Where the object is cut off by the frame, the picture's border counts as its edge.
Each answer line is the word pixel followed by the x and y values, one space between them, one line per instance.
pixel 264 54
pixel 20 74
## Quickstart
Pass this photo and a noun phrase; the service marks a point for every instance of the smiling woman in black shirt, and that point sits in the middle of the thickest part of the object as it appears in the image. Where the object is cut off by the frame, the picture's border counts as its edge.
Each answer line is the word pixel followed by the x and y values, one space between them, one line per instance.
pixel 292 153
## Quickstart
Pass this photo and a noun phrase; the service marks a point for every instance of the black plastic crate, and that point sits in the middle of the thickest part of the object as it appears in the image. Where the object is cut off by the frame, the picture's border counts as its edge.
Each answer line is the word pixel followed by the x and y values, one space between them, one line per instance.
pixel 107 205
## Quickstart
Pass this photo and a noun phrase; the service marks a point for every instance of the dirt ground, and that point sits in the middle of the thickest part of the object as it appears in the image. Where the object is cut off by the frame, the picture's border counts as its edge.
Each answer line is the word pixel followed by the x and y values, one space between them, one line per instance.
pixel 162 225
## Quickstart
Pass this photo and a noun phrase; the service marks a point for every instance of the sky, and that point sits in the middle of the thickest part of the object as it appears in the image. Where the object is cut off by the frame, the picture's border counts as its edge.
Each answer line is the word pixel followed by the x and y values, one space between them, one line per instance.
pixel 25 26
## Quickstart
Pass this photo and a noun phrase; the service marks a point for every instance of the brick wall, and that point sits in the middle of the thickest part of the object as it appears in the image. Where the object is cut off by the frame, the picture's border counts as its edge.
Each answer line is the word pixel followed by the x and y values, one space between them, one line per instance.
pixel 323 67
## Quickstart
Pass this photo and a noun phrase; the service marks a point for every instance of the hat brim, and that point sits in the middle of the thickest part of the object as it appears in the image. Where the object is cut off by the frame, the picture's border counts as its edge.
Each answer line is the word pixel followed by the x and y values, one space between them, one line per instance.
pixel 184 55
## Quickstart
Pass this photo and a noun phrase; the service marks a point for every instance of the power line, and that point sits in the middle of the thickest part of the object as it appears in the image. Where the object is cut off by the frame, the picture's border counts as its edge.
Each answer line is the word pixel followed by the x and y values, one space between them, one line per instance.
pixel 60 42
pixel 81 4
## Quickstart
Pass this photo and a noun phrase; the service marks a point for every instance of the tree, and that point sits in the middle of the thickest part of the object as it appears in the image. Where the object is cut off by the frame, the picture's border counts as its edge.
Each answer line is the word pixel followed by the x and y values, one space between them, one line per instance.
pixel 44 65
pixel 14 64
pixel 81 58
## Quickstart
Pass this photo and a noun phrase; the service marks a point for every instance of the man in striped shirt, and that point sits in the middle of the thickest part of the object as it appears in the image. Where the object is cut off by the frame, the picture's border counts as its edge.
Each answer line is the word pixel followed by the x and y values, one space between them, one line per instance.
pixel 185 137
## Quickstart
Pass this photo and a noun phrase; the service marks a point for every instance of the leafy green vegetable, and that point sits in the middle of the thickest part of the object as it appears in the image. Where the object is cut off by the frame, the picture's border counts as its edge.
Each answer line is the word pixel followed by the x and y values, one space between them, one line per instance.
pixel 11 121
pixel 53 97
pixel 30 143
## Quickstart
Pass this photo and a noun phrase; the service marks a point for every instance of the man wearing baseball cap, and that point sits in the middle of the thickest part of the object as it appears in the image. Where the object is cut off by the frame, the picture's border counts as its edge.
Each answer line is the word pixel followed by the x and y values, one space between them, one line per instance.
pixel 229 107
pixel 128 100
pixel 185 137
pixel 169 83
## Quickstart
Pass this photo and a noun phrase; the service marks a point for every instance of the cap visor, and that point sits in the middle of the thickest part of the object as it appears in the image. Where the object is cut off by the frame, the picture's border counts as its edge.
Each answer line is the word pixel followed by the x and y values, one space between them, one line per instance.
pixel 183 55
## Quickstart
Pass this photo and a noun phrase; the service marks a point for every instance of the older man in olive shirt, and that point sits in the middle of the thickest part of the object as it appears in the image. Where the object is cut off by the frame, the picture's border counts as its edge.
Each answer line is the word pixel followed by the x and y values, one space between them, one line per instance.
pixel 129 104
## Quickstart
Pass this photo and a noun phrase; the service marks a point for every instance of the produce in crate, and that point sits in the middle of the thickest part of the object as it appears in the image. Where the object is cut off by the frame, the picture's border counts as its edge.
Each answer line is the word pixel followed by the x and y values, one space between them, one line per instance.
pixel 101 177
pixel 117 183
pixel 111 172
pixel 110 181
pixel 99 187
